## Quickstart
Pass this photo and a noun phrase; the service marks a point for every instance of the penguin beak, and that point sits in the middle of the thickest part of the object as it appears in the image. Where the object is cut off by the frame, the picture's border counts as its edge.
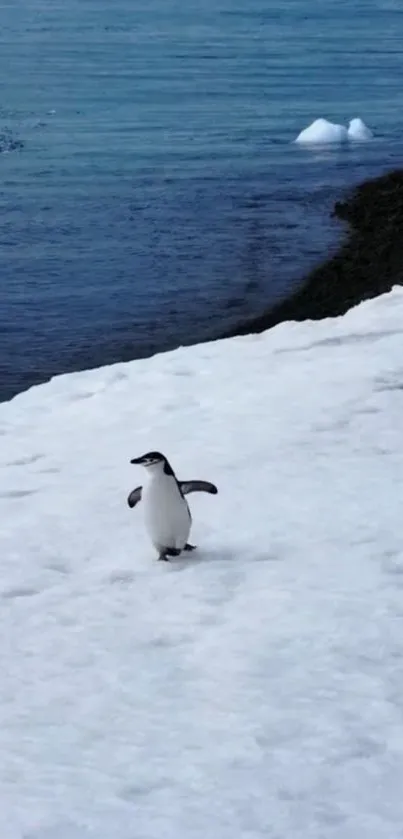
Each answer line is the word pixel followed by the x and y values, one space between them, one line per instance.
pixel 137 461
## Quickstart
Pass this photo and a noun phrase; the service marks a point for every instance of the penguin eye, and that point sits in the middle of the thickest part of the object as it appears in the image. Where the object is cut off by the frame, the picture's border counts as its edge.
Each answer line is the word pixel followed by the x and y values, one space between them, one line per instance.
pixel 151 459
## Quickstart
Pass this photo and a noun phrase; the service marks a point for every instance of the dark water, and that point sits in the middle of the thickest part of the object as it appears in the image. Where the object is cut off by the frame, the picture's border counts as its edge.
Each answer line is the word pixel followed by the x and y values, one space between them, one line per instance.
pixel 150 193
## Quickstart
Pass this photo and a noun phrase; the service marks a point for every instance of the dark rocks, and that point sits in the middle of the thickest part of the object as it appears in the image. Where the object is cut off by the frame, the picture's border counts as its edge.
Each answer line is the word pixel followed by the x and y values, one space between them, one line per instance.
pixel 369 263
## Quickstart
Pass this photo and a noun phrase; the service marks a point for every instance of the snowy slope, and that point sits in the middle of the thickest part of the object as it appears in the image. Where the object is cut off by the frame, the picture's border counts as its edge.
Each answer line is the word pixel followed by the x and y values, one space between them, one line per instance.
pixel 254 689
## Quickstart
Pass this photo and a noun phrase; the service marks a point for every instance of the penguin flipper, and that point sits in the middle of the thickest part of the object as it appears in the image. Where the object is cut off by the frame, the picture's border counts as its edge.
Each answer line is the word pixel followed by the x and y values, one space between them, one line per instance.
pixel 198 486
pixel 134 497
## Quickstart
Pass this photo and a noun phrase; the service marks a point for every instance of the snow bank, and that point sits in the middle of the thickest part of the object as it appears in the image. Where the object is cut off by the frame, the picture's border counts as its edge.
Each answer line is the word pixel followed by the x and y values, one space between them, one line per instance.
pixel 321 132
pixel 255 687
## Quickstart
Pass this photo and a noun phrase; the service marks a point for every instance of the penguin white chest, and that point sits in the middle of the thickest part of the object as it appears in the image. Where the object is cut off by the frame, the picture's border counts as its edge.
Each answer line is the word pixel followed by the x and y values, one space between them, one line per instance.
pixel 166 513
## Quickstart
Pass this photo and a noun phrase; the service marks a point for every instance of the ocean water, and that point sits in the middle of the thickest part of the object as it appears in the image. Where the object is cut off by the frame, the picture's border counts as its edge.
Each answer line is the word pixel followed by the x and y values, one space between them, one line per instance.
pixel 150 192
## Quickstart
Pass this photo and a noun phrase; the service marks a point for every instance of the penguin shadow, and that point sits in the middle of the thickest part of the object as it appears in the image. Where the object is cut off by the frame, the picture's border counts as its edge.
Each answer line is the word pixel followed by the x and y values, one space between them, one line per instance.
pixel 217 555
pixel 198 557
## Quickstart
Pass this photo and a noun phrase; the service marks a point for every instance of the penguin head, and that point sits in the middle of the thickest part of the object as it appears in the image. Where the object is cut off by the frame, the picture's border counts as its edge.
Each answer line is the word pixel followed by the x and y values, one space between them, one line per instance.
pixel 154 461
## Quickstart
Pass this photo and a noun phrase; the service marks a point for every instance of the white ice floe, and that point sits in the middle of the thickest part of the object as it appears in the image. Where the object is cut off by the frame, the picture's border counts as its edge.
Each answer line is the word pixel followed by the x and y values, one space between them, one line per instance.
pixel 321 132
pixel 358 131
pixel 251 689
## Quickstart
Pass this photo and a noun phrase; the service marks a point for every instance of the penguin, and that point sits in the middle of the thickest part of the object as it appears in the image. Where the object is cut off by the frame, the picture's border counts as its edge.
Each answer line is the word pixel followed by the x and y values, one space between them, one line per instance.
pixel 167 515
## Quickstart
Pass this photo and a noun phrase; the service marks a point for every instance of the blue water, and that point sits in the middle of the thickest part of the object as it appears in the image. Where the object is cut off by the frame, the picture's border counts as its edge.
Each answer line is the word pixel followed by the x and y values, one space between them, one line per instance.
pixel 150 192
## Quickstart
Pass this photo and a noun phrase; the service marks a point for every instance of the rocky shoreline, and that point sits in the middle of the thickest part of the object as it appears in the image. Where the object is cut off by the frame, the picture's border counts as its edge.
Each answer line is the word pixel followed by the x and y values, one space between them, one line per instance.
pixel 367 264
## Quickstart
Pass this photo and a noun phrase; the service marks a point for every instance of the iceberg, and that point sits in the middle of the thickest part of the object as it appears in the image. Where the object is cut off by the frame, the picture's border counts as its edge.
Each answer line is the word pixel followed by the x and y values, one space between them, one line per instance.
pixel 321 132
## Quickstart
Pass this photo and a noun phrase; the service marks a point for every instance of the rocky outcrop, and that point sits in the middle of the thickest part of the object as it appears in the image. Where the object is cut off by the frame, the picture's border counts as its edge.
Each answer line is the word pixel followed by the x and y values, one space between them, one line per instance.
pixel 367 264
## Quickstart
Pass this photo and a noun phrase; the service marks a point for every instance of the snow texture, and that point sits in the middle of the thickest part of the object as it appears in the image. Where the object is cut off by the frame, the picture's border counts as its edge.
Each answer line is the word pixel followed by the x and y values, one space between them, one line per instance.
pixel 321 132
pixel 253 688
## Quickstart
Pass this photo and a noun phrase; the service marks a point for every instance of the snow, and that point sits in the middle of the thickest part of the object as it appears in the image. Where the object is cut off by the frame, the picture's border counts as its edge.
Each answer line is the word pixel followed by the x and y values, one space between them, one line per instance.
pixel 322 132
pixel 251 689
pixel 358 131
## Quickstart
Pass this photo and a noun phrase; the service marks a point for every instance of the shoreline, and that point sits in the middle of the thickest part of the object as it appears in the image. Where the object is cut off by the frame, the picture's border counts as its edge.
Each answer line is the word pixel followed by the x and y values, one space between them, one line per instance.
pixel 368 262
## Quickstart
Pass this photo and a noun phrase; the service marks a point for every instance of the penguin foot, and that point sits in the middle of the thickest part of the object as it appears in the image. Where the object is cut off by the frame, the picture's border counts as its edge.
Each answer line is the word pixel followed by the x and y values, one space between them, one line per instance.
pixel 189 547
pixel 167 552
